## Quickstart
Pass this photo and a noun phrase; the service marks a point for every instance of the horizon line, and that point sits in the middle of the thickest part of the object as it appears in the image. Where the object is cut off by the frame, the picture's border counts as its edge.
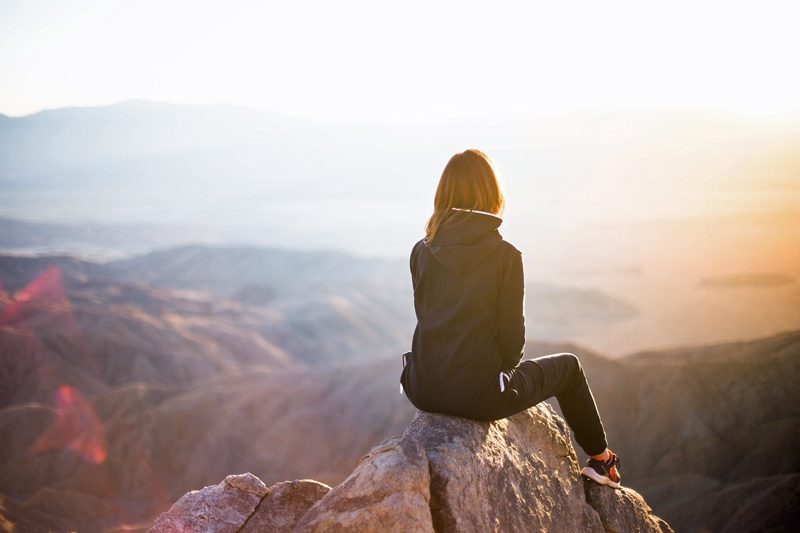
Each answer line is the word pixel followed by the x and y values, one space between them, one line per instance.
pixel 478 117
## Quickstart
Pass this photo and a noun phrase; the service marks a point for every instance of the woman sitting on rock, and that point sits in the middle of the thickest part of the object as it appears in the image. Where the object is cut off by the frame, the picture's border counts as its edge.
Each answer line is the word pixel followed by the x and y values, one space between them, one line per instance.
pixel 470 335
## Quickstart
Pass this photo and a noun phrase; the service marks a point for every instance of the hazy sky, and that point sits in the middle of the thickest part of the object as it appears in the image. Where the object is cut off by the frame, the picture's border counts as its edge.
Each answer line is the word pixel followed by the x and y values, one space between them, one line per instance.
pixel 372 60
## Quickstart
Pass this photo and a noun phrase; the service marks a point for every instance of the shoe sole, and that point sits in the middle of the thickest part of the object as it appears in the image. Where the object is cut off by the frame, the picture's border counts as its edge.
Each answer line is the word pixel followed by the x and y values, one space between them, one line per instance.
pixel 592 474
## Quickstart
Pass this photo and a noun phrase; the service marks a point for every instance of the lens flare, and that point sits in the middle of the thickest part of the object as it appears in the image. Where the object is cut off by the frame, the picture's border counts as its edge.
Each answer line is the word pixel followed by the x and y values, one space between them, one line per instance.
pixel 76 427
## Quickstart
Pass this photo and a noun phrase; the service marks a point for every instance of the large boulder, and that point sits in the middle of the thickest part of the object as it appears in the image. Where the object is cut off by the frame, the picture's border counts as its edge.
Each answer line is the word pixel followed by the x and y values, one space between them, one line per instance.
pixel 449 474
pixel 516 474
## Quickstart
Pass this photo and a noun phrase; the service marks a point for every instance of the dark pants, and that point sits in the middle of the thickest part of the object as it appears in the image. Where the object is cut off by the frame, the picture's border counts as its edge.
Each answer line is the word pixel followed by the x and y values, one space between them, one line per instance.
pixel 560 375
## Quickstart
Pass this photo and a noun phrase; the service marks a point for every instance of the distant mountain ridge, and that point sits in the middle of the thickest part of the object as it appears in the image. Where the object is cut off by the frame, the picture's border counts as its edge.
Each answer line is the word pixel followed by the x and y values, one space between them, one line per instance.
pixel 345 293
pixel 143 150
pixel 164 146
pixel 223 270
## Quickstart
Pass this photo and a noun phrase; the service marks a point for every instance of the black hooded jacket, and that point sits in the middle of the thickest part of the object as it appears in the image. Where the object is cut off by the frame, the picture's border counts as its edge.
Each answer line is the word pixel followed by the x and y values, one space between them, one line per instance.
pixel 468 295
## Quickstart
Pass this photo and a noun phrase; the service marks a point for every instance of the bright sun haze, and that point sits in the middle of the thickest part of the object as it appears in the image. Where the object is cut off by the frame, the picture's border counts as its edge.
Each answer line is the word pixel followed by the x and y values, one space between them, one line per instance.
pixel 379 61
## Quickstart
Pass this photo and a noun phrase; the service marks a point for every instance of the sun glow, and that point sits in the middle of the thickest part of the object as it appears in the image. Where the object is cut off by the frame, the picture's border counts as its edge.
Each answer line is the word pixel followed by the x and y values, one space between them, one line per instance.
pixel 362 60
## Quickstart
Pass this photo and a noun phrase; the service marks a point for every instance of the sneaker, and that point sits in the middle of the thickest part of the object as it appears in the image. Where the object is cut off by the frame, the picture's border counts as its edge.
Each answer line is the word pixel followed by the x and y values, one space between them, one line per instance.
pixel 605 473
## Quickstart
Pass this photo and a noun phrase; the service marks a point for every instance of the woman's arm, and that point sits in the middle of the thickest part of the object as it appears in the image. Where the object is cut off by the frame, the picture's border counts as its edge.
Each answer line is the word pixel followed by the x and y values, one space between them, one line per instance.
pixel 511 311
pixel 412 263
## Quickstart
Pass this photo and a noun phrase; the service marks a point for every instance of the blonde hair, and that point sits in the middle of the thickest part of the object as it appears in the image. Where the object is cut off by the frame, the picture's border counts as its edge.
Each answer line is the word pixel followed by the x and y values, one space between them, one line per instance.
pixel 468 182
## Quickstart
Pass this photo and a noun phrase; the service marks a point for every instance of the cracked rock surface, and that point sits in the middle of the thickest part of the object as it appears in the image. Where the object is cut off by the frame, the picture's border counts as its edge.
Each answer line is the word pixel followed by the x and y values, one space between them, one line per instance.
pixel 388 491
pixel 445 474
pixel 510 475
pixel 283 505
pixel 222 508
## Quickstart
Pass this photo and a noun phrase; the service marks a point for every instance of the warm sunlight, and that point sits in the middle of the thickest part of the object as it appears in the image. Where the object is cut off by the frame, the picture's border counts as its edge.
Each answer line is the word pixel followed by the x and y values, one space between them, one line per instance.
pixel 377 61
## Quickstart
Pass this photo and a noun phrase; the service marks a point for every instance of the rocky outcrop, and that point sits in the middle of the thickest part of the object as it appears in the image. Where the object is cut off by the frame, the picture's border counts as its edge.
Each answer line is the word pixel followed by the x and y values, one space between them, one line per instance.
pixel 515 474
pixel 241 504
pixel 444 474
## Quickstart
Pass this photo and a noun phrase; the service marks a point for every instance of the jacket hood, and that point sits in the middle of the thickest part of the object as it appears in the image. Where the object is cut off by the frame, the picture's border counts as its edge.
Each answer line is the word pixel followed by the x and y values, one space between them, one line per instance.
pixel 465 240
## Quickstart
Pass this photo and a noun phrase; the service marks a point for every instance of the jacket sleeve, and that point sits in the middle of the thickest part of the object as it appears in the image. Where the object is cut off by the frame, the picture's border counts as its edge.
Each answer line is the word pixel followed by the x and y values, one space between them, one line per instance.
pixel 412 262
pixel 511 311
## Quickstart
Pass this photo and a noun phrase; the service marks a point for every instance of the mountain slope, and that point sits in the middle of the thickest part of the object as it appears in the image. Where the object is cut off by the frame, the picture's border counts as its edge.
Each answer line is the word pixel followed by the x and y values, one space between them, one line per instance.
pixel 706 432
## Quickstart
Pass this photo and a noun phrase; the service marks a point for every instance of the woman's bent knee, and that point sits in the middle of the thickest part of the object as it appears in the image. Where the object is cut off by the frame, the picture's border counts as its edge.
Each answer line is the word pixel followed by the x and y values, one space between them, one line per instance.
pixel 574 370
pixel 572 361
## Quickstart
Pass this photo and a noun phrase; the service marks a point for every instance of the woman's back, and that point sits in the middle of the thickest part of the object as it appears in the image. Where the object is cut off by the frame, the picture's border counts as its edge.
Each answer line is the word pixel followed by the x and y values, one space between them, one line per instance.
pixel 468 296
